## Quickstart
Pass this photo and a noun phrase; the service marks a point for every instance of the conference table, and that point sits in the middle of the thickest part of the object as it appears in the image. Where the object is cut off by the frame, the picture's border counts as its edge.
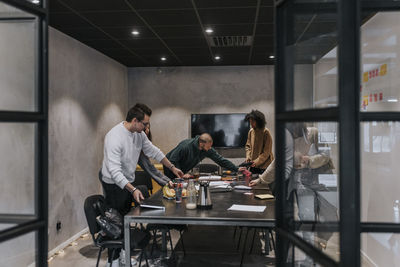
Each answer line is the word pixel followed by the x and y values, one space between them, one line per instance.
pixel 219 215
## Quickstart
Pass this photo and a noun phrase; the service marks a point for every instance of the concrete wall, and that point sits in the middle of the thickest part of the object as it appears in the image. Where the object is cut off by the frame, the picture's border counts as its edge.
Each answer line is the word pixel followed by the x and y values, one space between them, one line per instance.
pixel 174 93
pixel 87 96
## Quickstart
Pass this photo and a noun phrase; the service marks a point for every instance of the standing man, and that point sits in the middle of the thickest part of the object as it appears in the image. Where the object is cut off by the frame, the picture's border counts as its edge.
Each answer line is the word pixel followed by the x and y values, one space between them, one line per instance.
pixel 190 152
pixel 122 147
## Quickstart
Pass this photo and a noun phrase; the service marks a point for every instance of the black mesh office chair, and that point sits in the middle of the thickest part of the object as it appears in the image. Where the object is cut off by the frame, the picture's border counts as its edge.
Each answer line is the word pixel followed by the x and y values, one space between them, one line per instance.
pixel 91 207
pixel 142 178
pixel 207 168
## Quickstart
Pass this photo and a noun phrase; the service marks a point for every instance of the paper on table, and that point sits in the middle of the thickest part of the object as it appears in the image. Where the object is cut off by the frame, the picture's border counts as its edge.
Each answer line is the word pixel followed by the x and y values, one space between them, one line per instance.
pixel 242 187
pixel 251 208
pixel 210 178
pixel 264 196
pixel 217 183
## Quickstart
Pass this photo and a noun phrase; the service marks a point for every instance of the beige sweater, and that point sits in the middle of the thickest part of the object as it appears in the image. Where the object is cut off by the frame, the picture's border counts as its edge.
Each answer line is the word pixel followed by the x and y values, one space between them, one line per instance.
pixel 259 148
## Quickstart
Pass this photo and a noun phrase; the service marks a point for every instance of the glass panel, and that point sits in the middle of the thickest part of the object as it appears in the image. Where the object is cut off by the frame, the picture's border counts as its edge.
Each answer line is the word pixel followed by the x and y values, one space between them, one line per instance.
pixel 17 167
pixel 380 63
pixel 313 44
pixel 20 251
pixel 313 179
pixel 4 226
pixel 18 69
pixel 380 249
pixel 380 183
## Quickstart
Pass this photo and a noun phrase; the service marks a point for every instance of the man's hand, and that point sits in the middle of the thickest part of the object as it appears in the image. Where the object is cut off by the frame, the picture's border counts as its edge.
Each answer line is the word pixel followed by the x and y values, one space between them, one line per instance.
pixel 253 165
pixel 138 196
pixel 177 172
pixel 241 169
pixel 187 176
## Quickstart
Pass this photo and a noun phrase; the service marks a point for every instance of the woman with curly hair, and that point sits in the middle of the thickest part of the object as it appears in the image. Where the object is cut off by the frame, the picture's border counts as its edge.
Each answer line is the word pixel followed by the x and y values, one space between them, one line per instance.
pixel 259 143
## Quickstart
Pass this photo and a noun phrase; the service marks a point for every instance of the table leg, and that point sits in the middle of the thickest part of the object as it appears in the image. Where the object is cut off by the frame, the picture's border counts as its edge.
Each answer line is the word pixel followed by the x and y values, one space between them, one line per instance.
pixel 127 240
pixel 164 241
pixel 267 242
pixel 244 245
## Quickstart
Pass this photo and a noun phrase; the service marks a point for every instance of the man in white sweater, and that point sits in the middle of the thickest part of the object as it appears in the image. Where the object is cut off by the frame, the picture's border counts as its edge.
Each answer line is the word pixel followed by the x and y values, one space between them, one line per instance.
pixel 122 147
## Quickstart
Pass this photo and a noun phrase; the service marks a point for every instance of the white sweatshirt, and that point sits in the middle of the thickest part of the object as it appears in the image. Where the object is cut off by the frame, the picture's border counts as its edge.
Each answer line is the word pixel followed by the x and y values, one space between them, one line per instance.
pixel 121 153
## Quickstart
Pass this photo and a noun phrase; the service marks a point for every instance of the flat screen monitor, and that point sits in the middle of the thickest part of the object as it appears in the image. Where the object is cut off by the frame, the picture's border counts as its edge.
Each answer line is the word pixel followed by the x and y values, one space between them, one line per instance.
pixel 227 130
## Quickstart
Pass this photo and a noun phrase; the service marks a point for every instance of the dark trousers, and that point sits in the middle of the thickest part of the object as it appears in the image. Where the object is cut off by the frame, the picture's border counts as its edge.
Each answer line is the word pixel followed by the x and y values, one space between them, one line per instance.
pixel 121 200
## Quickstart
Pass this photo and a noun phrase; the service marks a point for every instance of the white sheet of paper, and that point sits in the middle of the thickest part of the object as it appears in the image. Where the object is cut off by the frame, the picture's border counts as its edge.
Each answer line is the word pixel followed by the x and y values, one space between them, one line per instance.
pixel 251 208
pixel 218 183
pixel 210 178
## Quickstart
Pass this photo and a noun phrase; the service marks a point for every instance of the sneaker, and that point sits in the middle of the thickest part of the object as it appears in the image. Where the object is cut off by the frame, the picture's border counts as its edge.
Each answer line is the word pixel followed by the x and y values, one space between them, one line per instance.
pixel 114 263
pixel 122 259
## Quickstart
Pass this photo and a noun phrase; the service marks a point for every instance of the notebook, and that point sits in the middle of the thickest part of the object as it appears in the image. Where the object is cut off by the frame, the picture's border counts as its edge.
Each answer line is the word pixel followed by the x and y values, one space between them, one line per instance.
pixel 152 204
pixel 264 196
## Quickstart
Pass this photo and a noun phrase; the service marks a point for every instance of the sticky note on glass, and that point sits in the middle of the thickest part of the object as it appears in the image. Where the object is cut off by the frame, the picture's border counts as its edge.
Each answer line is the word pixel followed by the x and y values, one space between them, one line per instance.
pixel 264 196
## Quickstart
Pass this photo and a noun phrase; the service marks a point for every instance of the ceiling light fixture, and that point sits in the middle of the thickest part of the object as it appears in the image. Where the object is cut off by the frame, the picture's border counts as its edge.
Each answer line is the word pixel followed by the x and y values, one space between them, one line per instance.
pixel 217 57
pixel 393 100
pixel 271 57
pixel 209 30
pixel 135 32
pixel 36 1
pixel 163 58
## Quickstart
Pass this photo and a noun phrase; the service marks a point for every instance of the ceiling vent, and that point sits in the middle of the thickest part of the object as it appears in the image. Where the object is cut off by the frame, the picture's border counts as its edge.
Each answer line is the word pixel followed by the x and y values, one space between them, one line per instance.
pixel 230 41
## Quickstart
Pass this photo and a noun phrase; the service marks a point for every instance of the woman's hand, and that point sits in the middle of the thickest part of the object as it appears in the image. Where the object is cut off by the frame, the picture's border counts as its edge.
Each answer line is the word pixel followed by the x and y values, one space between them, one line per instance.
pixel 254 182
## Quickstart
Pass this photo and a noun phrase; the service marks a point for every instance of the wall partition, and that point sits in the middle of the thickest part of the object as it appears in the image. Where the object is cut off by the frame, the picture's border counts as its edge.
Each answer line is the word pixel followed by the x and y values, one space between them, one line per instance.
pixel 23 133
pixel 337 132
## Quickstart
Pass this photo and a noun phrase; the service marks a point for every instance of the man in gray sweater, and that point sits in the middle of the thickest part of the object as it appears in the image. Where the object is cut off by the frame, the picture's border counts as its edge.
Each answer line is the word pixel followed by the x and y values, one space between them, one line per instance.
pixel 122 147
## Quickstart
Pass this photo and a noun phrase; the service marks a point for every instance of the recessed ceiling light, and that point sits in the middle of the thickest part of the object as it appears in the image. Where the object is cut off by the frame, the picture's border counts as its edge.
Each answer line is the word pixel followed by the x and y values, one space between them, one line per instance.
pixel 217 57
pixel 36 1
pixel 163 58
pixel 392 100
pixel 271 57
pixel 135 32
pixel 209 30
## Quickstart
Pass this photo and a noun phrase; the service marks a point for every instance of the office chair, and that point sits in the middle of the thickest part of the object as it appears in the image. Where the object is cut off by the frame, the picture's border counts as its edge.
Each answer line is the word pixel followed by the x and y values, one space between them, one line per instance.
pixel 91 207
pixel 142 178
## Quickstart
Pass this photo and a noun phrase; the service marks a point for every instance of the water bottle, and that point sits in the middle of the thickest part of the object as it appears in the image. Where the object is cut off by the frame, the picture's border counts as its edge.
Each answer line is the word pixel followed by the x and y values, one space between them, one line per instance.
pixel 396 208
pixel 191 195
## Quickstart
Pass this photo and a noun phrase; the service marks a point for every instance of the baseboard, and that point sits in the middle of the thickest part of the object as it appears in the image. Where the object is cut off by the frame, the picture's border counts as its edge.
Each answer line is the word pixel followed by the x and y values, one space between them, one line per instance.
pixel 368 259
pixel 67 242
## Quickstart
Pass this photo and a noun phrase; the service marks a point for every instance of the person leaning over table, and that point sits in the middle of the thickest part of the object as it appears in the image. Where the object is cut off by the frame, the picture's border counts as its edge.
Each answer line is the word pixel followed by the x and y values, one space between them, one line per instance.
pixel 259 143
pixel 189 152
pixel 149 168
pixel 122 147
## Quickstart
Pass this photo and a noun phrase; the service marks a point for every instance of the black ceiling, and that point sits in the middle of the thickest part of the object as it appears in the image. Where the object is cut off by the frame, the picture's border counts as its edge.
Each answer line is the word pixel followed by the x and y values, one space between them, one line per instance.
pixel 170 28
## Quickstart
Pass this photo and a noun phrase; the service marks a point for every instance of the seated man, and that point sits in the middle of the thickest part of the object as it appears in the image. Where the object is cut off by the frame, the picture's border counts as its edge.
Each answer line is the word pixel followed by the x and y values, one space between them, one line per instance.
pixel 190 152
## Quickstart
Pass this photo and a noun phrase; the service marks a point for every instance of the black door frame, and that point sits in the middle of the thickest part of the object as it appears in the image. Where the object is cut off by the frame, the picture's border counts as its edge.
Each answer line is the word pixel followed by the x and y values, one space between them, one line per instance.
pixel 39 221
pixel 348 117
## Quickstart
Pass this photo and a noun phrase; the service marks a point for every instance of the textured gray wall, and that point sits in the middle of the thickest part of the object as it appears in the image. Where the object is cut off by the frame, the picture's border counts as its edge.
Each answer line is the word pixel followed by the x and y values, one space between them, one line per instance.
pixel 87 96
pixel 174 93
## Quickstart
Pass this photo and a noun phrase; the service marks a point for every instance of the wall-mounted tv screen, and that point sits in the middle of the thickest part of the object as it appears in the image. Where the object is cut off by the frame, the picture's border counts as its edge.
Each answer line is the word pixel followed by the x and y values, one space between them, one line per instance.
pixel 227 130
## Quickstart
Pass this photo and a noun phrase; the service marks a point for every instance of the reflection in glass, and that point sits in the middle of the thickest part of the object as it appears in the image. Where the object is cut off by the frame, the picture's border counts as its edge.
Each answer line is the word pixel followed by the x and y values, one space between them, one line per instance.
pixel 380 72
pixel 18 69
pixel 380 249
pixel 20 251
pixel 17 167
pixel 380 184
pixel 315 60
pixel 313 182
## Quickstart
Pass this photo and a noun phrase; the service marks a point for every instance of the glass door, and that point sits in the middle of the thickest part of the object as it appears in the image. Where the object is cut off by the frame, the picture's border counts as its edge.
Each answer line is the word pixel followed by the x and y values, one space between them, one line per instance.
pixel 23 133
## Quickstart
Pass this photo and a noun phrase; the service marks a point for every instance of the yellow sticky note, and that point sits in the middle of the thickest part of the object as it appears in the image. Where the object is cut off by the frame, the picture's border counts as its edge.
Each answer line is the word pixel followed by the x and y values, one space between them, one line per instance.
pixel 264 196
